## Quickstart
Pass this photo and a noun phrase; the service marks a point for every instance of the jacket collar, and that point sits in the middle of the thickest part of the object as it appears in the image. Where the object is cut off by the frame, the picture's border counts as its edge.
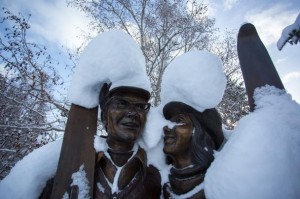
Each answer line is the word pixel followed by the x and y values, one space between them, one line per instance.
pixel 137 161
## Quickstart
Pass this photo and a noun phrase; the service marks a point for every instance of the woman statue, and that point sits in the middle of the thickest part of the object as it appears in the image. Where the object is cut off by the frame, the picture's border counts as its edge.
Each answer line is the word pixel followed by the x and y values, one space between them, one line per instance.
pixel 190 145
pixel 197 131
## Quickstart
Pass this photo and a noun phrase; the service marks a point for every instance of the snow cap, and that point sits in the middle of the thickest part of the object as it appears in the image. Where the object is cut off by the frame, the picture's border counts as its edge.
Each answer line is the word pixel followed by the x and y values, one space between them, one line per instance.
pixel 196 79
pixel 111 57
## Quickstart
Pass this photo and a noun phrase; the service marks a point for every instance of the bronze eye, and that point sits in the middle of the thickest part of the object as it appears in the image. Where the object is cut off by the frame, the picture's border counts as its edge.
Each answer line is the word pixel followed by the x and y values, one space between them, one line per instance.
pixel 121 104
pixel 142 106
pixel 179 119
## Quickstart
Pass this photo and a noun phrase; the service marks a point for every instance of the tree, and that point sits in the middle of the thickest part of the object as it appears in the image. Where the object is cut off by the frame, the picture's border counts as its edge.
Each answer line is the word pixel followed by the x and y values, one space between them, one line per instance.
pixel 28 108
pixel 164 29
pixel 234 104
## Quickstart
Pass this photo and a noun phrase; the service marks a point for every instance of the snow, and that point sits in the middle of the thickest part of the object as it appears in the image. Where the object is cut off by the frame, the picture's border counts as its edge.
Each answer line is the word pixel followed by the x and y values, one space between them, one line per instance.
pixel 226 132
pixel 112 56
pixel 29 176
pixel 157 158
pixel 66 196
pixel 79 179
pixel 153 132
pixel 261 158
pixel 152 141
pixel 100 144
pixel 195 78
pixel 287 32
pixel 100 187
pixel 114 187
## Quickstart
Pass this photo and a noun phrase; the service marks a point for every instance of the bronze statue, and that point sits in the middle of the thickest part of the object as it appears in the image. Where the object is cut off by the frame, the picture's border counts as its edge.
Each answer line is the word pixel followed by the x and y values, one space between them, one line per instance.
pixel 118 169
pixel 124 112
pixel 121 168
pixel 189 146
pixel 192 85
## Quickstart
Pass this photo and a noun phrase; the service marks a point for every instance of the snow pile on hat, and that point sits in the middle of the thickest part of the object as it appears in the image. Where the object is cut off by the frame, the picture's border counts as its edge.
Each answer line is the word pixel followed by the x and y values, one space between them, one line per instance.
pixel 195 78
pixel 111 57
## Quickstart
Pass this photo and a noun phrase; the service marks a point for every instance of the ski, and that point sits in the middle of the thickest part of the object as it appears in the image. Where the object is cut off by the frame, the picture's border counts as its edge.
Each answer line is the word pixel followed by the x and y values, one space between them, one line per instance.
pixel 256 64
pixel 77 150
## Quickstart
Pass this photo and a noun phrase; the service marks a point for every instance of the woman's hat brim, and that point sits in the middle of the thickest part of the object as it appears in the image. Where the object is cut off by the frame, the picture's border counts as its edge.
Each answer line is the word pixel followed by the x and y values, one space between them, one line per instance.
pixel 175 108
pixel 210 118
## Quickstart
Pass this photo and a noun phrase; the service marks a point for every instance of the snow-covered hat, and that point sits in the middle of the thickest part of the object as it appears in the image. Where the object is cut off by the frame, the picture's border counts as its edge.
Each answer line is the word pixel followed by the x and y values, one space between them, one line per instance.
pixel 195 78
pixel 111 57
pixel 195 83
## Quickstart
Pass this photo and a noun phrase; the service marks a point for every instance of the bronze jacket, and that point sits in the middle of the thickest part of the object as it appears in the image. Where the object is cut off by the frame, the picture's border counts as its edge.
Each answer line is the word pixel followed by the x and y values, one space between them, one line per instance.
pixel 136 180
pixel 142 181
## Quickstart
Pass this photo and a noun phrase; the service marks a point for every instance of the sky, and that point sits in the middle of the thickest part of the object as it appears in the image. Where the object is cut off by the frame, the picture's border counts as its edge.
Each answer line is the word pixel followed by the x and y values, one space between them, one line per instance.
pixel 269 17
pixel 53 24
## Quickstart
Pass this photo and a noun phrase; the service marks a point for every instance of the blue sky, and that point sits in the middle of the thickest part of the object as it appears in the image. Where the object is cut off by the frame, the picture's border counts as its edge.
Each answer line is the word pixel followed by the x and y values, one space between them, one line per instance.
pixel 54 24
pixel 269 18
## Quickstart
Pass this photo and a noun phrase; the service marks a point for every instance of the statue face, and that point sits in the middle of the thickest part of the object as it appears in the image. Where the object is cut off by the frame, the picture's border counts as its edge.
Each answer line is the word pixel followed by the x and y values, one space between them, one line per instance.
pixel 177 140
pixel 125 118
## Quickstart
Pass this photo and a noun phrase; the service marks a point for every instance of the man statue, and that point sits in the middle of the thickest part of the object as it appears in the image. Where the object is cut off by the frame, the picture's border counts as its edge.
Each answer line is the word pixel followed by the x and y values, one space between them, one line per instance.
pixel 121 168
pixel 111 72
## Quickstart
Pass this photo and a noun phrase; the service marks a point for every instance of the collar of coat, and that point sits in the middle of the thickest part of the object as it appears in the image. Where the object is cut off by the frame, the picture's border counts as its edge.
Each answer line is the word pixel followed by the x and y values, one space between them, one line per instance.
pixel 138 154
pixel 184 180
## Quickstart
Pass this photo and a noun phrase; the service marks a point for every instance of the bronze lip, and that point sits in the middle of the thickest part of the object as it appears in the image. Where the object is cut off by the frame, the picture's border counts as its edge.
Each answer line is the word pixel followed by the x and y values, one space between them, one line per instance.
pixel 169 134
pixel 169 140
pixel 169 137
pixel 131 124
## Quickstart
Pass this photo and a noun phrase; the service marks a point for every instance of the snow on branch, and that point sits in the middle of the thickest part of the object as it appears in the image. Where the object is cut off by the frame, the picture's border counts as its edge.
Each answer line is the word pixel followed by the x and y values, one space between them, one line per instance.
pixel 290 34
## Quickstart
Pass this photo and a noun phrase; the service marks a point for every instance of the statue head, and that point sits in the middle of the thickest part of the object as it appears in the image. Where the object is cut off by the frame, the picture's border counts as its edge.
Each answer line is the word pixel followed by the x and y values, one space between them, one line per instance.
pixel 195 135
pixel 192 85
pixel 123 112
